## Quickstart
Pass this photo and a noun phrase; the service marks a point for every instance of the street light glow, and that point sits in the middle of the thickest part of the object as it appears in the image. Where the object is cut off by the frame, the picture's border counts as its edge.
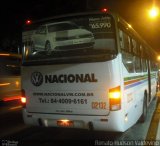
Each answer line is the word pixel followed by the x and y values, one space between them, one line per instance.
pixel 130 26
pixel 154 12
pixel 158 58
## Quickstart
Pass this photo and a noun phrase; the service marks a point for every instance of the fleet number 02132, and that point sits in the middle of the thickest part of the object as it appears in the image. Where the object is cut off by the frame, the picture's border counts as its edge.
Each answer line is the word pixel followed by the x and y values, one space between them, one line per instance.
pixel 98 105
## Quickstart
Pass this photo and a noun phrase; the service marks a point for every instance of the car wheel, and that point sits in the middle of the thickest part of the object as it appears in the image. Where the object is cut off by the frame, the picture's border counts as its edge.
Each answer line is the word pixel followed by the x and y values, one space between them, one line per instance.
pixel 48 48
pixel 32 47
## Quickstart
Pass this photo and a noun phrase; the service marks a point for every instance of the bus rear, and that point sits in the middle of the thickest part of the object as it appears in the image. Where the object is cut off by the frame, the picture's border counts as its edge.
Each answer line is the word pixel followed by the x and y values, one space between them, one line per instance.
pixel 71 74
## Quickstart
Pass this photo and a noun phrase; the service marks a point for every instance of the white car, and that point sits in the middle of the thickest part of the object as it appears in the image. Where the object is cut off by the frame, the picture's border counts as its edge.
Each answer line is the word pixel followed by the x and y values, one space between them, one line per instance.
pixel 61 36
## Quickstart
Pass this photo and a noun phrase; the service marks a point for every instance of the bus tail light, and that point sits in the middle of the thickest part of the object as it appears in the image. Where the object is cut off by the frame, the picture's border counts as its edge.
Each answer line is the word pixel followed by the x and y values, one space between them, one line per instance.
pixel 23 98
pixel 115 98
pixel 28 22
pixel 104 10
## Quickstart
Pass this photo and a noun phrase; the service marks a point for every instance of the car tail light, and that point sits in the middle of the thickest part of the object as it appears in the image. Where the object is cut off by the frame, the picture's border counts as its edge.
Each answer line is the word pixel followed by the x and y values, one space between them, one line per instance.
pixel 23 98
pixel 11 98
pixel 17 84
pixel 4 84
pixel 115 98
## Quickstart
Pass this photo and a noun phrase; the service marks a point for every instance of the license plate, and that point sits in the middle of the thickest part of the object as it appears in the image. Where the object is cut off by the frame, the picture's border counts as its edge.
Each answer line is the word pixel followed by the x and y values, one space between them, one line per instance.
pixel 78 41
pixel 65 123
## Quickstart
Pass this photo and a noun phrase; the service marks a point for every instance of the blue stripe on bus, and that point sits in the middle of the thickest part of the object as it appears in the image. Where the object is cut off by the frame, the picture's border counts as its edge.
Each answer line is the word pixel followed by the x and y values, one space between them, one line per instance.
pixel 134 84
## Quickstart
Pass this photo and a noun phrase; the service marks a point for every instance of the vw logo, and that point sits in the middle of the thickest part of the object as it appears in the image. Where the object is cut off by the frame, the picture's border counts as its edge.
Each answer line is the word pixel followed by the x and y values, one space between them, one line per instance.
pixel 37 78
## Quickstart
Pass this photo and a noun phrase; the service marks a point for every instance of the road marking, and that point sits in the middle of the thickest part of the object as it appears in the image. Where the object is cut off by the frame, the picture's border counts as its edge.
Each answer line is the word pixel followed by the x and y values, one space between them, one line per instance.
pixel 158 132
pixel 158 94
pixel 153 128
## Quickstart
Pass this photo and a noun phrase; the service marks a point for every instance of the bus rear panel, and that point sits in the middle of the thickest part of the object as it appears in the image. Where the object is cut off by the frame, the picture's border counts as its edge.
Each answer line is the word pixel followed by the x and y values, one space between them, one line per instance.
pixel 75 74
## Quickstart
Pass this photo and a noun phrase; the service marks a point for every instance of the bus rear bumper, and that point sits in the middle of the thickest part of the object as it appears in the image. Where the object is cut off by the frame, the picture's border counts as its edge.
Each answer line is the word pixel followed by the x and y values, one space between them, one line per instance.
pixel 98 123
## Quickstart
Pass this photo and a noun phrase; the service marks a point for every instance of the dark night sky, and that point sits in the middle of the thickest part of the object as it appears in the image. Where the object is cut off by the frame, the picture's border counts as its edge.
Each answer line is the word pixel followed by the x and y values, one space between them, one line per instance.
pixel 14 12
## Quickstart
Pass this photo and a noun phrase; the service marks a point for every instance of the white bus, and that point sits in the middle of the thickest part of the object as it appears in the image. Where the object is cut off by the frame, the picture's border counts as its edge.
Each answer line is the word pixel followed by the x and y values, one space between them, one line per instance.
pixel 10 78
pixel 87 70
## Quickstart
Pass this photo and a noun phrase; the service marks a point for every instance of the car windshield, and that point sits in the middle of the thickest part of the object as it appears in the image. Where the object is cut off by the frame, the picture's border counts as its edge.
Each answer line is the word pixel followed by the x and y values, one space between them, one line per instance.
pixel 79 38
pixel 61 27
